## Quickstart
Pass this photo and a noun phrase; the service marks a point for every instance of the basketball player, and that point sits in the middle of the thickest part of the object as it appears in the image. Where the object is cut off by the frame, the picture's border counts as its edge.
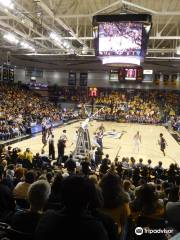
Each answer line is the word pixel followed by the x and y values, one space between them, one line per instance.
pixel 102 128
pixel 162 143
pixel 94 140
pixel 64 135
pixel 61 145
pixel 49 127
pixel 137 142
pixel 44 132
pixel 99 138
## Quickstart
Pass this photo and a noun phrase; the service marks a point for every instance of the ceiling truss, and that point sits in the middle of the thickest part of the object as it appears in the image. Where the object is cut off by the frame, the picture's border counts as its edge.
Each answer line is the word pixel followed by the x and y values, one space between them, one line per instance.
pixel 72 20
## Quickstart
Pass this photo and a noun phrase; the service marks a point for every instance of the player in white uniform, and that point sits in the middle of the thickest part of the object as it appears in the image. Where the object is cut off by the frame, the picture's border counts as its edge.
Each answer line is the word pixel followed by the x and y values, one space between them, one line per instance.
pixel 137 142
pixel 94 141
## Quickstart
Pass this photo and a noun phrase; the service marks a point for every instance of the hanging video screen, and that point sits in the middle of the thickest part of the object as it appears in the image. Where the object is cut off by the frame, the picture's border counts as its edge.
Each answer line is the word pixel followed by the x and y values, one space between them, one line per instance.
pixel 120 38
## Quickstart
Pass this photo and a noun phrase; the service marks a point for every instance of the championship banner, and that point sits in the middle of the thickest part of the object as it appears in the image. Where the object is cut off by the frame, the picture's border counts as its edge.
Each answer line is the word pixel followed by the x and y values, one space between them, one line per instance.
pixel 173 79
pixel 121 74
pixel 0 73
pixel 139 76
pixel 157 77
pixel 11 73
pixel 165 79
pixel 83 79
pixel 72 79
pixel 5 73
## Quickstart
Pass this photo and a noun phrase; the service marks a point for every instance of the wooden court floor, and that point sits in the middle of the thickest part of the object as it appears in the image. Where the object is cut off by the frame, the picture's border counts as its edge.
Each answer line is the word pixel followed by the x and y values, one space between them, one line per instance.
pixel 149 148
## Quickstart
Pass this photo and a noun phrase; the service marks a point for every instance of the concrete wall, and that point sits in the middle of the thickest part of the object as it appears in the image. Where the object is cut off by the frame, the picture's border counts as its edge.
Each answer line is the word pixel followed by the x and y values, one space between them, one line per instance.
pixel 98 79
pixel 19 75
pixel 49 77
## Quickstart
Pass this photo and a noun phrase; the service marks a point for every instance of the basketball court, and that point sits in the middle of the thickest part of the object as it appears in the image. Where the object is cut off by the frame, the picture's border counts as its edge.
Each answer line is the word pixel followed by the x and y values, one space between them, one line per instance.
pixel 149 148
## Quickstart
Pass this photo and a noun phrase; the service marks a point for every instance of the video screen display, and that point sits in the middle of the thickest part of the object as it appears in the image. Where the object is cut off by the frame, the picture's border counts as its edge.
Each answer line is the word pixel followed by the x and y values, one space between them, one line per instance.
pixel 120 39
pixel 130 73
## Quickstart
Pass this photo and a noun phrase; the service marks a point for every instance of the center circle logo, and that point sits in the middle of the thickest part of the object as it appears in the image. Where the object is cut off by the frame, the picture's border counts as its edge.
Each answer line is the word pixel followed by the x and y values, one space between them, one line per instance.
pixel 138 231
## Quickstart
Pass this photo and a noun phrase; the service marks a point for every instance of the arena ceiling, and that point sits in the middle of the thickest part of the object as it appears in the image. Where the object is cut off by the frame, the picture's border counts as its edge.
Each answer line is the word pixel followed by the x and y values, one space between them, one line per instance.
pixel 58 33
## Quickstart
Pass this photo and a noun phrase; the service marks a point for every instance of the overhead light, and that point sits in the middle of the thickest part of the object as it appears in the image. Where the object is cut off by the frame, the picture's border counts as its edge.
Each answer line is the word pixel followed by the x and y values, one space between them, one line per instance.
pixel 121 60
pixel 66 44
pixel 11 38
pixel 84 50
pixel 58 40
pixel 24 45
pixel 54 36
pixel 27 46
pixel 148 28
pixel 22 20
pixel 178 50
pixel 39 14
pixel 71 51
pixel 7 3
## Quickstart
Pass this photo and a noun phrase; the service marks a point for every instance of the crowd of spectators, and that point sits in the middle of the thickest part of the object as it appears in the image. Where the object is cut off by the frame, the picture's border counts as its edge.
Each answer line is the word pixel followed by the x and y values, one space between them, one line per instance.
pixel 128 105
pixel 68 94
pixel 140 106
pixel 129 108
pixel 175 122
pixel 95 198
pixel 21 108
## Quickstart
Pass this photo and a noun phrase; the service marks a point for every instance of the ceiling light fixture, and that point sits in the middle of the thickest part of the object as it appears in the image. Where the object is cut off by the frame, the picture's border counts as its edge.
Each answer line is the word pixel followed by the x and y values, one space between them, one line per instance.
pixel 66 44
pixel 7 3
pixel 26 45
pixel 178 50
pixel 58 40
pixel 54 36
pixel 11 38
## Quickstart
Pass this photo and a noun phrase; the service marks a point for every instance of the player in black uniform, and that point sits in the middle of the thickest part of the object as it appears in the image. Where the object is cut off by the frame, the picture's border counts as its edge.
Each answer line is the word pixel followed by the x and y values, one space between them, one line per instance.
pixel 162 143
pixel 44 138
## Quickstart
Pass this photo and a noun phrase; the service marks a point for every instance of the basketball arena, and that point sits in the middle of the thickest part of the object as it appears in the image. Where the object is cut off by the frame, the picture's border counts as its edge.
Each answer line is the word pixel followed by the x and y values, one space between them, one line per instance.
pixel 89 120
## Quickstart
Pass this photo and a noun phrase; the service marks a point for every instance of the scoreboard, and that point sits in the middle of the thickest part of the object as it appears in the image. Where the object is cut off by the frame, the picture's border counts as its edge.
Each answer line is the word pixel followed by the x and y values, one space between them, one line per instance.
pixel 127 74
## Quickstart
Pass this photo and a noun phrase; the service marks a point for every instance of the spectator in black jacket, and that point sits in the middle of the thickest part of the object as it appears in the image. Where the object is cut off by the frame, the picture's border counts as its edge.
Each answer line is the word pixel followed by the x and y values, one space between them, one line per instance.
pixel 26 220
pixel 74 222
pixel 7 203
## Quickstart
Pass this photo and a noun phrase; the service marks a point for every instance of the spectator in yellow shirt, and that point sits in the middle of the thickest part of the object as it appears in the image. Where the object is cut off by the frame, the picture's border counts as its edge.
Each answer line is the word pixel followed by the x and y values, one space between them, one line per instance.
pixel 28 155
